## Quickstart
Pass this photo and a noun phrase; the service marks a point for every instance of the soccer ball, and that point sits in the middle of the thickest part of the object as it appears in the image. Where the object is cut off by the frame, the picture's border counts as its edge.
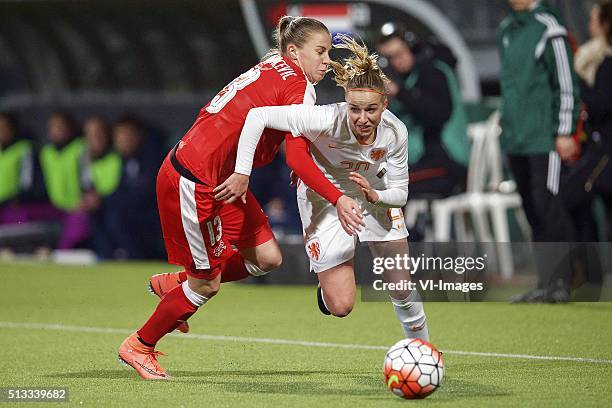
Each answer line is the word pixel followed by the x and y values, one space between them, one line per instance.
pixel 413 368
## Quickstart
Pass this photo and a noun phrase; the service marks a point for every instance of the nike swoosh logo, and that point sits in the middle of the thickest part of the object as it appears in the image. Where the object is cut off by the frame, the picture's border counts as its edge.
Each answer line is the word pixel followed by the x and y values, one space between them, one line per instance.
pixel 393 379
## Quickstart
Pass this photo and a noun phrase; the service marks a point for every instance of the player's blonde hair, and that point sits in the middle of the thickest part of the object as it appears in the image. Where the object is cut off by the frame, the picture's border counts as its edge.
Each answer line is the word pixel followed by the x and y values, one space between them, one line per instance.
pixel 294 30
pixel 360 70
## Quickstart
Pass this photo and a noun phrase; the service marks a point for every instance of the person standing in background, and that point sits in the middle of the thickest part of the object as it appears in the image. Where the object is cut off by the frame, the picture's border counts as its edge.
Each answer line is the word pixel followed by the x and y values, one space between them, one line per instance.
pixel 590 175
pixel 593 64
pixel 539 110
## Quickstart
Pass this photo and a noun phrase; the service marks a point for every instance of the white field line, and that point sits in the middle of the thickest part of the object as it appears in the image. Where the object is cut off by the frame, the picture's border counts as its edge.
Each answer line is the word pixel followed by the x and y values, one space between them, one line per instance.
pixel 85 329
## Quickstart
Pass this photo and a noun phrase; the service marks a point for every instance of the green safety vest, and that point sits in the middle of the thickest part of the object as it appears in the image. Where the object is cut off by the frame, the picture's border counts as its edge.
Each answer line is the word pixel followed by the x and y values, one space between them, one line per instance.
pixel 106 173
pixel 10 168
pixel 61 171
pixel 454 133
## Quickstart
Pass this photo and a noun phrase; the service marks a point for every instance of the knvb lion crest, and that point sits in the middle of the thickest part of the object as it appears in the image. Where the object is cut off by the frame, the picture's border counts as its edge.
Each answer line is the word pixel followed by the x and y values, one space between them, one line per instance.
pixel 314 250
pixel 377 154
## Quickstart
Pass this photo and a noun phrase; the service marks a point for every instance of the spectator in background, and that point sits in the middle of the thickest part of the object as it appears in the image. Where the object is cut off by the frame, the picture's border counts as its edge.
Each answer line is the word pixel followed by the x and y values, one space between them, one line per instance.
pixel 16 170
pixel 539 111
pixel 60 161
pixel 101 173
pixel 130 213
pixel 593 64
pixel 425 96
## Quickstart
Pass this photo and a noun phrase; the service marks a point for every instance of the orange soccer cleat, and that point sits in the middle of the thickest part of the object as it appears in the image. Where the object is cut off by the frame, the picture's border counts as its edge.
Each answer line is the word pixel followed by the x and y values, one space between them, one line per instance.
pixel 163 283
pixel 141 358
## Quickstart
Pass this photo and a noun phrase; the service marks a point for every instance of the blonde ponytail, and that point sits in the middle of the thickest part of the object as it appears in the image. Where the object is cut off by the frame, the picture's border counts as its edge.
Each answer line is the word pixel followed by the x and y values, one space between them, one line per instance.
pixel 360 70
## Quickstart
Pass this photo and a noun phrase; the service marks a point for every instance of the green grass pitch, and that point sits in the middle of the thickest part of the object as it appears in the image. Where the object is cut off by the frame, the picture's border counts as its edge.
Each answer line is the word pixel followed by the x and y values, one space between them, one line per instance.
pixel 213 372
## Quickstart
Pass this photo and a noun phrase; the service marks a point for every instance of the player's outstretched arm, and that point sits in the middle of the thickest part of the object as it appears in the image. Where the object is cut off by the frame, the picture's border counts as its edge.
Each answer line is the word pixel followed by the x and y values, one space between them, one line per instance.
pixel 309 120
pixel 256 121
pixel 305 120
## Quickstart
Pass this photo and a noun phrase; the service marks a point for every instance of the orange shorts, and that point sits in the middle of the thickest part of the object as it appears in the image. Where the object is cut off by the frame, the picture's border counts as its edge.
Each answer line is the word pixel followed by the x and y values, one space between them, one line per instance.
pixel 198 230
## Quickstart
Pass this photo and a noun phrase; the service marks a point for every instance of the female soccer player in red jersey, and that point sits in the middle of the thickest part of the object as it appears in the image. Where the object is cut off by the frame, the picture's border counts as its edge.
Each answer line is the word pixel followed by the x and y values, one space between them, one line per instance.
pixel 199 230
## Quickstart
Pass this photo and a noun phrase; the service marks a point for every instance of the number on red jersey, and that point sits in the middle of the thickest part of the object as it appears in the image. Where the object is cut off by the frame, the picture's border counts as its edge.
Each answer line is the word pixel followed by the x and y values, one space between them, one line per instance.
pixel 227 93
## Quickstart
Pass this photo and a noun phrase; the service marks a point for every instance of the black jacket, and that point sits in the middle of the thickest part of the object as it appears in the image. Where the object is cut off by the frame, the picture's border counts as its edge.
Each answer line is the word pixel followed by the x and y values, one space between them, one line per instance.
pixel 598 100
pixel 428 101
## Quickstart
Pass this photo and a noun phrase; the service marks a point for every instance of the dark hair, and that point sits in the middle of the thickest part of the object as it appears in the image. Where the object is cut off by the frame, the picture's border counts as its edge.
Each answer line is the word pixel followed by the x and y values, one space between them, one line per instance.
pixel 129 120
pixel 294 30
pixel 392 29
pixel 11 120
pixel 605 19
pixel 103 123
pixel 65 117
pixel 132 122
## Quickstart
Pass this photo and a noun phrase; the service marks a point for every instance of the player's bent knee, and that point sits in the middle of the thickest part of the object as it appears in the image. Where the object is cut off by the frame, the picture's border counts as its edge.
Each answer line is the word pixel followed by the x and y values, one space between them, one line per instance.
pixel 342 312
pixel 341 309
pixel 273 261
pixel 267 264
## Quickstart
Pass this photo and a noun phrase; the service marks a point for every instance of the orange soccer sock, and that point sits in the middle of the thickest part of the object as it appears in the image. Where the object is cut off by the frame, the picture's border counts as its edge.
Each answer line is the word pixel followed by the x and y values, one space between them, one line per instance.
pixel 173 309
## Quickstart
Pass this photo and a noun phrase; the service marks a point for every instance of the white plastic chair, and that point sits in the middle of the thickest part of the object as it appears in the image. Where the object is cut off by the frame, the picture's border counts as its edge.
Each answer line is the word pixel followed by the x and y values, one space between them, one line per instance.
pixel 486 195
pixel 445 210
pixel 455 207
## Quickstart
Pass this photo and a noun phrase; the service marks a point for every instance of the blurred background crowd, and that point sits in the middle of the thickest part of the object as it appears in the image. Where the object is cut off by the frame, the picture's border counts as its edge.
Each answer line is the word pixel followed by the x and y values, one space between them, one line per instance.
pixel 93 96
pixel 91 184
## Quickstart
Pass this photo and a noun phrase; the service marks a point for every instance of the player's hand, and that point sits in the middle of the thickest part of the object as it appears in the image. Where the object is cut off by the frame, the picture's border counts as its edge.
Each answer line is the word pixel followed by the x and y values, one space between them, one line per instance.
pixel 350 215
pixel 567 148
pixel 370 194
pixel 233 188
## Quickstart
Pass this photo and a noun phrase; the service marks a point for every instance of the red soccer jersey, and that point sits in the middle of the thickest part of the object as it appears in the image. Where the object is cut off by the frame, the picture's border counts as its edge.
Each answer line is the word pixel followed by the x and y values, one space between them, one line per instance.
pixel 209 148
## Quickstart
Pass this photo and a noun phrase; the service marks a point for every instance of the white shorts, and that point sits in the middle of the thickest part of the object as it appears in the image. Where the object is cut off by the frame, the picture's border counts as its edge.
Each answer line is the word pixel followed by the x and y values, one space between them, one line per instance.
pixel 326 242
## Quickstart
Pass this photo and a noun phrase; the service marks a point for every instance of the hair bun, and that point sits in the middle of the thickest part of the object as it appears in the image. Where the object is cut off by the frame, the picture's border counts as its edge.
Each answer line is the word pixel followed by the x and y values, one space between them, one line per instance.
pixel 284 23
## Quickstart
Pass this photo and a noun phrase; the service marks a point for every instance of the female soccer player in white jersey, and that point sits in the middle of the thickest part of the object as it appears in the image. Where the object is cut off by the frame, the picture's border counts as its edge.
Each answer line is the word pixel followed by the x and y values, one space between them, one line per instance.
pixel 362 149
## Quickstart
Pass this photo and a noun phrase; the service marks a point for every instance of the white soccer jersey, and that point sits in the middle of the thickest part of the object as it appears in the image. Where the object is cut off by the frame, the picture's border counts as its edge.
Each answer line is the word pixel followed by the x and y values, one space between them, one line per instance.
pixel 384 163
pixel 336 150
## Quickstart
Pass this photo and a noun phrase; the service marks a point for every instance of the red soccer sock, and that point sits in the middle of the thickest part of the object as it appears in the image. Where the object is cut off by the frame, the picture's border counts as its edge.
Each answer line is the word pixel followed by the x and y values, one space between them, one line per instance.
pixel 233 269
pixel 173 307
